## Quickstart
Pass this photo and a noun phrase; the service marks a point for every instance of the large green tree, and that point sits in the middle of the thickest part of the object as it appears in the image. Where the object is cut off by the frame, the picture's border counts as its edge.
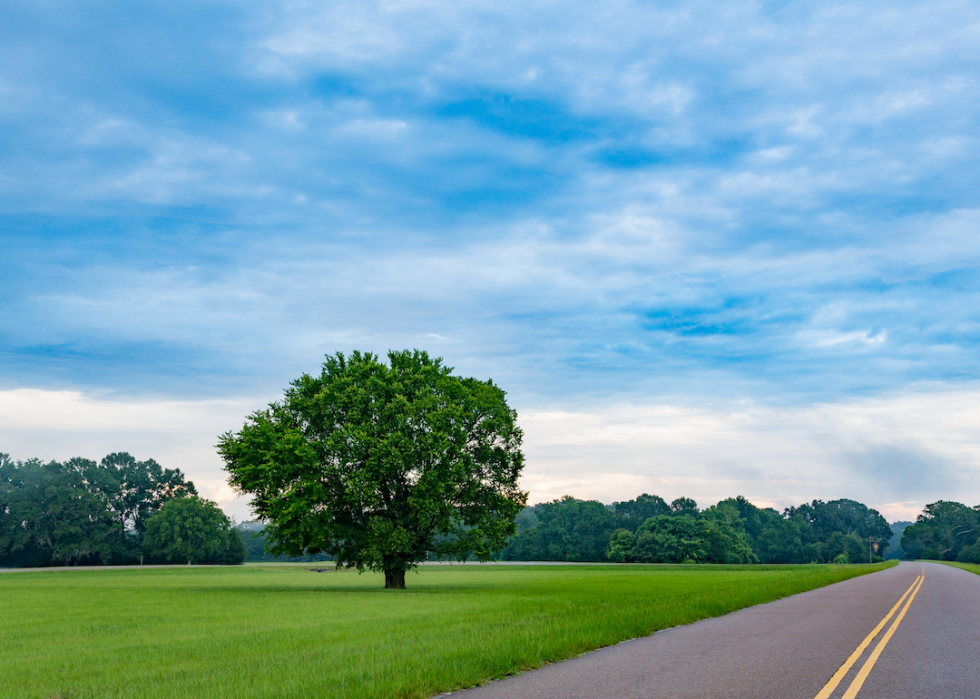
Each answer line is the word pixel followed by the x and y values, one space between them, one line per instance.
pixel 382 464
pixel 943 531
pixel 192 530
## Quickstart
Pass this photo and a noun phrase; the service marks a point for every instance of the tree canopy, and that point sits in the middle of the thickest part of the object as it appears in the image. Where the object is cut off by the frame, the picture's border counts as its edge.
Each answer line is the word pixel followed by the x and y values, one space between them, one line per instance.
pixel 141 488
pixel 192 530
pixel 636 512
pixel 565 530
pixel 81 511
pixel 53 513
pixel 648 530
pixel 945 531
pixel 382 465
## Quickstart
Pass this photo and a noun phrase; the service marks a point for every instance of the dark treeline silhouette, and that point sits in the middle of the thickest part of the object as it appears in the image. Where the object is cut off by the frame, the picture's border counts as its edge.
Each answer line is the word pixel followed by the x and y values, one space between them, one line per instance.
pixel 119 511
pixel 945 531
pixel 649 530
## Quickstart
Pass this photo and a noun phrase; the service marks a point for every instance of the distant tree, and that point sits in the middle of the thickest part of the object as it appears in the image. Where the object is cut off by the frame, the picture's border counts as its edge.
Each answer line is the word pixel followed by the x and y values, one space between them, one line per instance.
pixel 785 540
pixel 527 519
pixel 684 507
pixel 566 530
pixel 942 531
pixel 192 530
pixel 847 517
pixel 621 545
pixel 716 536
pixel 380 465
pixel 54 513
pixel 815 532
pixel 140 489
pixel 636 512
pixel 21 507
pixel 845 548
pixel 234 553
pixel 725 534
pixel 78 526
pixel 670 539
pixel 773 537
pixel 754 519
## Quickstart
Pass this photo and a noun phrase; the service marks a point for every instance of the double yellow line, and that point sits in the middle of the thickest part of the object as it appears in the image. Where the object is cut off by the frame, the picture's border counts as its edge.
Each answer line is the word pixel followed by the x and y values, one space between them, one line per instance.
pixel 862 674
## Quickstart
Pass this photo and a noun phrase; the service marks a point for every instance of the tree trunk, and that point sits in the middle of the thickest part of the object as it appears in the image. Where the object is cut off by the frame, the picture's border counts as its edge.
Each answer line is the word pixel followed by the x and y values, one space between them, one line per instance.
pixel 395 579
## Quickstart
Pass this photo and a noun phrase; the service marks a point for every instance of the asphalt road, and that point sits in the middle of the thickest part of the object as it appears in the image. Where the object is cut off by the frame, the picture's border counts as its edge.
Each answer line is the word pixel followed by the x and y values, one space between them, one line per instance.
pixel 792 648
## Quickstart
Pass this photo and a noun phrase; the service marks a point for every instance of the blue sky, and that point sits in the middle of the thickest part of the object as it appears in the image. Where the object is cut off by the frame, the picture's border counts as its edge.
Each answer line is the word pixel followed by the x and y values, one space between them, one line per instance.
pixel 721 207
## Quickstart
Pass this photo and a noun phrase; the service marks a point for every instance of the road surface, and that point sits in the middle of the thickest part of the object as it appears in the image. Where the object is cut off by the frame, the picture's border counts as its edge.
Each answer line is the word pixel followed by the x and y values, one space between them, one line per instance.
pixel 912 631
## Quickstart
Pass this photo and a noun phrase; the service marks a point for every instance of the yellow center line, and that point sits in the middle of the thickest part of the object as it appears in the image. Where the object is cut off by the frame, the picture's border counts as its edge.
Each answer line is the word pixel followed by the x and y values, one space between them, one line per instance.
pixel 873 658
pixel 843 670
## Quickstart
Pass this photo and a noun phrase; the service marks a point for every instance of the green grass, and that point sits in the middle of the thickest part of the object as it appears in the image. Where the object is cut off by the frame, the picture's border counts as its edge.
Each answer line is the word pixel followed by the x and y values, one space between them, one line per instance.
pixel 971 567
pixel 278 631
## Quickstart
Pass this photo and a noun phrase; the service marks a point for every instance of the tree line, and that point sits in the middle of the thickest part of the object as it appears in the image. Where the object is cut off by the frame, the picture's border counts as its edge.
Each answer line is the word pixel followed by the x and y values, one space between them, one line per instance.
pixel 649 530
pixel 123 511
pixel 119 511
pixel 945 531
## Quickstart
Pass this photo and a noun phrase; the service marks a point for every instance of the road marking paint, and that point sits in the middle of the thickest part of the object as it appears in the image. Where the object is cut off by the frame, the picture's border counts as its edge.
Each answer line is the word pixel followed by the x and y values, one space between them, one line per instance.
pixel 845 668
pixel 873 658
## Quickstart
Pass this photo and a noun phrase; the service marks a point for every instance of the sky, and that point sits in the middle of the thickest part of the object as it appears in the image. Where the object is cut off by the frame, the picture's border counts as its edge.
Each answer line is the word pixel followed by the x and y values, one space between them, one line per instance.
pixel 707 248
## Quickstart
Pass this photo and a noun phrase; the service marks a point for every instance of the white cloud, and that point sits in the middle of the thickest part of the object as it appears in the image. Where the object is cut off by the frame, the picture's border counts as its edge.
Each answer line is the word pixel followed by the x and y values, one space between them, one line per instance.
pixel 179 434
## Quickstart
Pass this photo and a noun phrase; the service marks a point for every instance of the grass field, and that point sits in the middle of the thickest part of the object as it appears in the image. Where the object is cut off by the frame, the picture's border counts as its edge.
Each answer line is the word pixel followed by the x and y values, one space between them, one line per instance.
pixel 280 631
pixel 972 567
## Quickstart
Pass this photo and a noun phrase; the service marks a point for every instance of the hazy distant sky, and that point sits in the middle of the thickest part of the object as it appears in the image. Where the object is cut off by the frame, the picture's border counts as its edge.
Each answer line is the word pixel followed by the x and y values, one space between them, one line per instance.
pixel 708 248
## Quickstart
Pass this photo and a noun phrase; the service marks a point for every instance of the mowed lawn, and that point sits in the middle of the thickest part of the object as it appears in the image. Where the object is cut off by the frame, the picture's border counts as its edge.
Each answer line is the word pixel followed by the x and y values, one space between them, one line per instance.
pixel 970 567
pixel 286 632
